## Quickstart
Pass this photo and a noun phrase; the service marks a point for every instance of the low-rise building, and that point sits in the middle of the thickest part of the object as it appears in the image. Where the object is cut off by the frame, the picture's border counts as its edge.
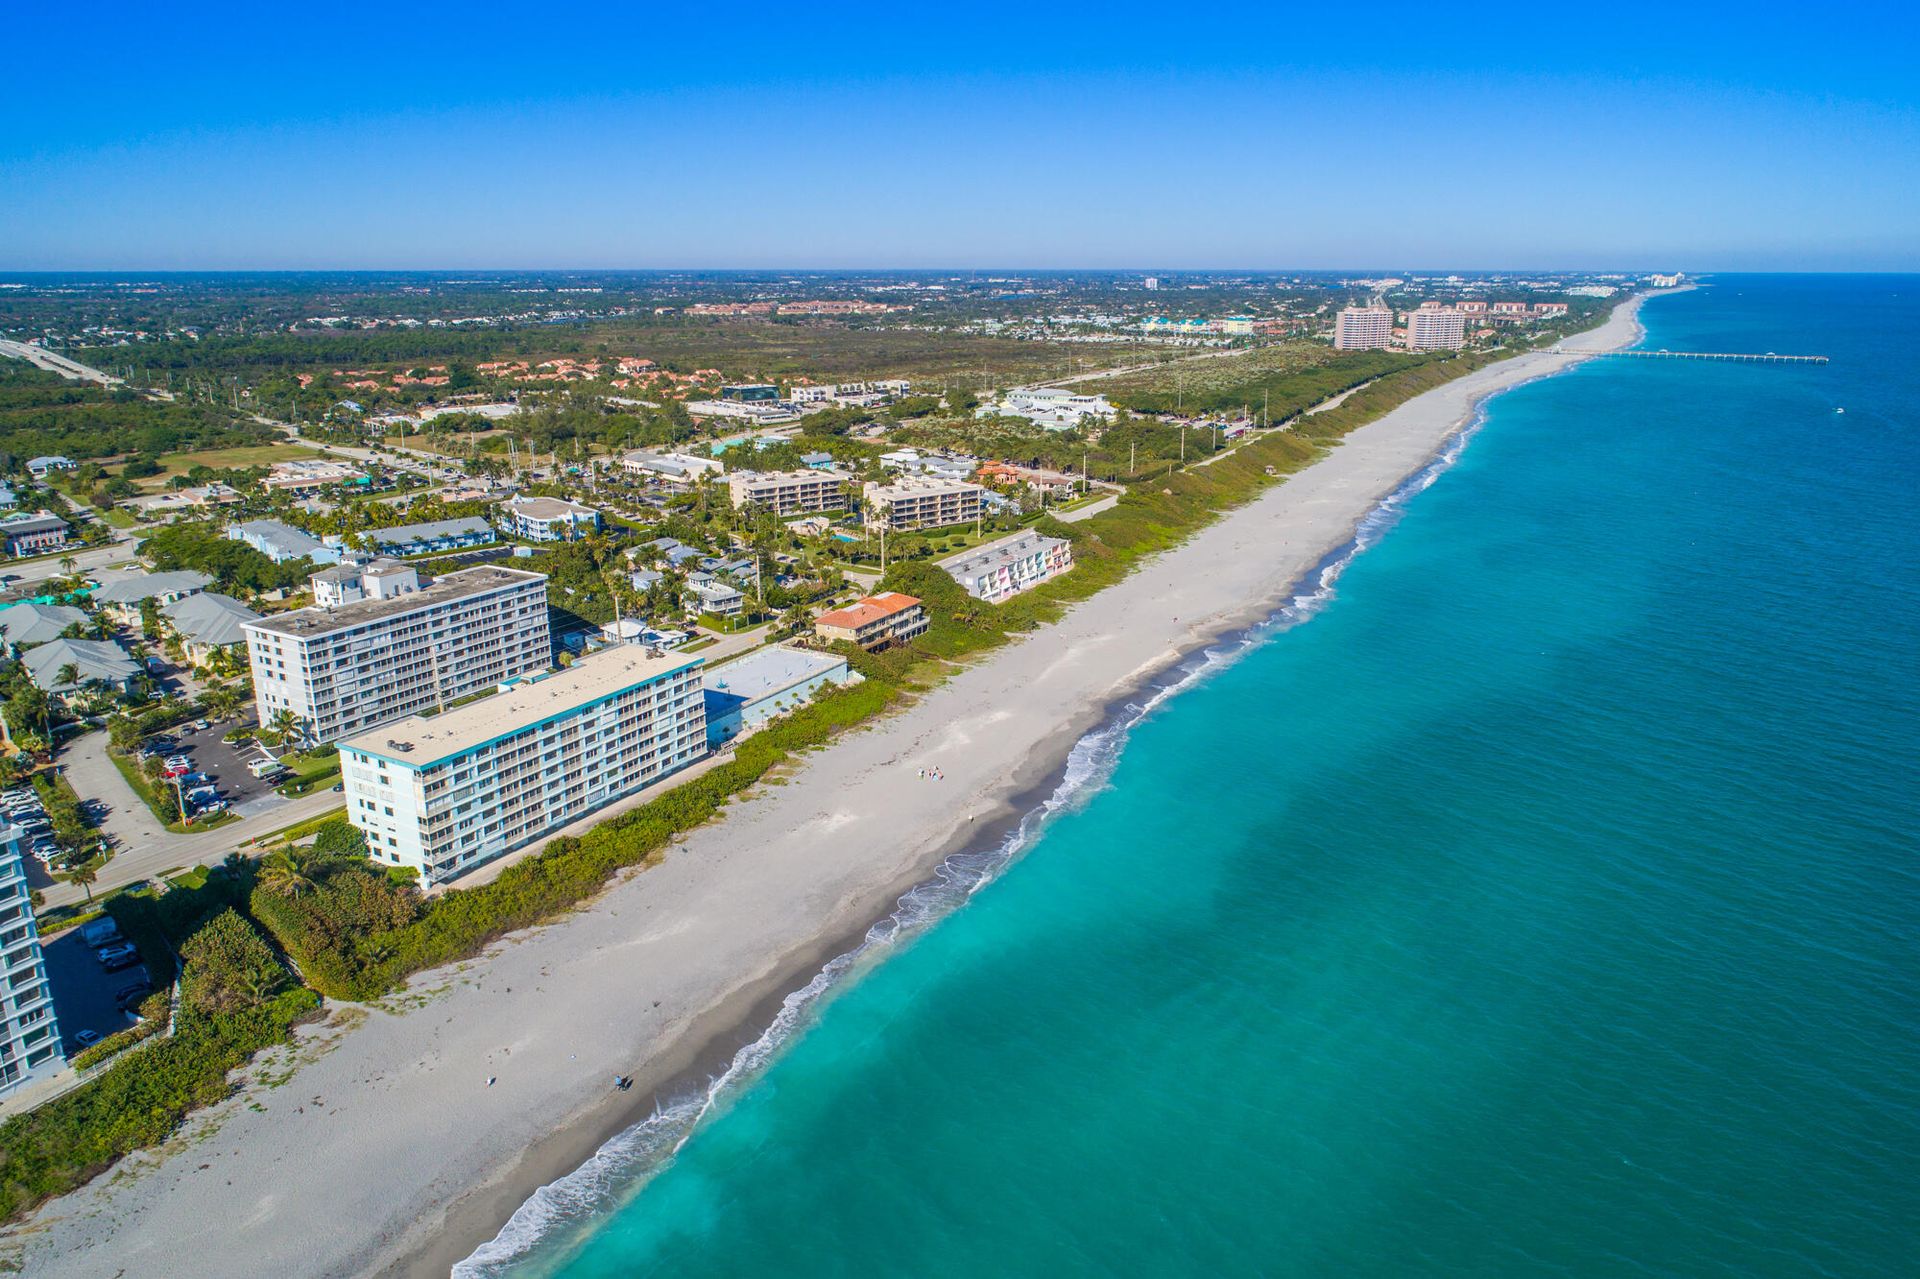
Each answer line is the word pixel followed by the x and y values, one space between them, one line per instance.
pixel 432 537
pixel 718 598
pixel 41 467
pixel 1050 407
pixel 121 595
pixel 1362 328
pixel 679 469
pixel 764 413
pixel 547 519
pixel 922 502
pixel 282 542
pixel 448 793
pixel 789 492
pixel 30 1048
pixel 312 475
pixel 1004 568
pixel 25 534
pixel 875 622
pixel 748 691
pixel 208 622
pixel 93 663
pixel 28 623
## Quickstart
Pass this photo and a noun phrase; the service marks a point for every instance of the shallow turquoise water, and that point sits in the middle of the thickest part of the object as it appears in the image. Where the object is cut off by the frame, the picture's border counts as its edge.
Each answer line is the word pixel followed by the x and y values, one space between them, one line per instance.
pixel 1546 904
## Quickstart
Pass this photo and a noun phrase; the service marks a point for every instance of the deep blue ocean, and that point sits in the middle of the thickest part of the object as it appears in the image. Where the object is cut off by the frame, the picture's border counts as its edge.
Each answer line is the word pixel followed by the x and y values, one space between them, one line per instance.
pixel 1545 902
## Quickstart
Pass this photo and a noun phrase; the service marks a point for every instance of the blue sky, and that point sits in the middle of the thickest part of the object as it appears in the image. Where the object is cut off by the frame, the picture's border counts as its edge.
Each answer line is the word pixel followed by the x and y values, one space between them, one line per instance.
pixel 1116 135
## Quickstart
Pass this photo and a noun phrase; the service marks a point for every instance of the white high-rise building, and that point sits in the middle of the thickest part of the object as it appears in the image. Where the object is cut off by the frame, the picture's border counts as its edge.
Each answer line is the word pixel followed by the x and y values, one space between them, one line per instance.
pixel 1363 328
pixel 381 646
pixel 29 1035
pixel 447 793
pixel 1436 328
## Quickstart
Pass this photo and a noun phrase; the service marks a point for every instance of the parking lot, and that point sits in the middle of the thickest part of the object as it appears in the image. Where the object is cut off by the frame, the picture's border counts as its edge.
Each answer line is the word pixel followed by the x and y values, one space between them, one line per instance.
pixel 83 991
pixel 225 764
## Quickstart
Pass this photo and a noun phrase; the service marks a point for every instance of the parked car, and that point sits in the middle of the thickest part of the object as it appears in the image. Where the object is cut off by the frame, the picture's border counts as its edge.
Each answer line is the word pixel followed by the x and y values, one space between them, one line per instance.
pixel 195 779
pixel 133 994
pixel 84 1039
pixel 119 962
pixel 201 725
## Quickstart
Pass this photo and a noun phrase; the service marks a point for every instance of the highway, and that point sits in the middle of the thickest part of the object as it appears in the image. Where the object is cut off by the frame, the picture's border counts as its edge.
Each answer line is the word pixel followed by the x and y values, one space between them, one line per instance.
pixel 54 362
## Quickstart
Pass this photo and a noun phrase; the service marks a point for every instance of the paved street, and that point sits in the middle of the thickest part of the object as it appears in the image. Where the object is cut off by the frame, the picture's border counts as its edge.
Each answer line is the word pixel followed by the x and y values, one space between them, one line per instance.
pixel 145 848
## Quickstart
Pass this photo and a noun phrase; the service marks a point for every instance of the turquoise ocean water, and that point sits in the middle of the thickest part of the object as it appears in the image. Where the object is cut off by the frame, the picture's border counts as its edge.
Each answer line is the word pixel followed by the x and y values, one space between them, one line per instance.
pixel 1543 902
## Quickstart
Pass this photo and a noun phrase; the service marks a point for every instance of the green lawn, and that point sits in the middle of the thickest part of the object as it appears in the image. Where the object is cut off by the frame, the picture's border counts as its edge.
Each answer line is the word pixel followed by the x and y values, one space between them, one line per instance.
pixel 224 459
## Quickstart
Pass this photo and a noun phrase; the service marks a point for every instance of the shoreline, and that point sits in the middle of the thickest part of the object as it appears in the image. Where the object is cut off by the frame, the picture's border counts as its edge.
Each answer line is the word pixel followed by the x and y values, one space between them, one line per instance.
pixel 746 911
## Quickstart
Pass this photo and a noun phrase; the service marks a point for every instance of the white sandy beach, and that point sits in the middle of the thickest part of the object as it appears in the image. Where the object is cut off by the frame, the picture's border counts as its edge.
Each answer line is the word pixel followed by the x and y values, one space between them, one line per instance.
pixel 388 1152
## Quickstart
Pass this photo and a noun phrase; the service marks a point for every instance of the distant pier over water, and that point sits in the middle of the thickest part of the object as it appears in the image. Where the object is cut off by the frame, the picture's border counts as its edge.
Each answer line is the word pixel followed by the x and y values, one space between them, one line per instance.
pixel 1737 357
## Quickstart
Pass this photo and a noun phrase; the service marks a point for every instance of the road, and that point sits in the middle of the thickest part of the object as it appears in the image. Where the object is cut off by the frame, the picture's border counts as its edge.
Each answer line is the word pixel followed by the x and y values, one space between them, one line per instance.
pixel 53 362
pixel 33 572
pixel 144 847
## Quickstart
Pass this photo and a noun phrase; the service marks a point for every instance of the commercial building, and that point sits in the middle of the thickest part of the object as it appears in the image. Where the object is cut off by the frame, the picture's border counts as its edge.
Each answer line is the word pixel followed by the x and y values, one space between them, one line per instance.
pixel 1049 407
pixel 29 1034
pixel 789 492
pixel 1363 328
pixel 748 691
pixel 313 475
pixel 874 622
pixel 282 542
pixel 25 534
pixel 750 392
pixel 1437 328
pixel 922 502
pixel 1004 568
pixel 682 469
pixel 763 412
pixel 382 646
pixel 547 519
pixel 433 537
pixel 447 793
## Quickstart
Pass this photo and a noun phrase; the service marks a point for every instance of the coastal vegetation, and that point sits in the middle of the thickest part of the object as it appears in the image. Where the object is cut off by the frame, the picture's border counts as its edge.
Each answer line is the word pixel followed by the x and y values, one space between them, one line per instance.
pixel 45 414
pixel 353 931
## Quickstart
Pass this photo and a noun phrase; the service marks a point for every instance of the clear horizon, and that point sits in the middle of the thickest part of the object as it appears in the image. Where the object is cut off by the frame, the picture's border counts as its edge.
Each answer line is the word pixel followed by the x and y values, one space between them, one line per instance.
pixel 471 139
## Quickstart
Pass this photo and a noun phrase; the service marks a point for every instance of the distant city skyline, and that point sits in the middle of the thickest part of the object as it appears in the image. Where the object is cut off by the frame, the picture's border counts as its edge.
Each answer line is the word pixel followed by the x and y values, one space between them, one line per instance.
pixel 471 137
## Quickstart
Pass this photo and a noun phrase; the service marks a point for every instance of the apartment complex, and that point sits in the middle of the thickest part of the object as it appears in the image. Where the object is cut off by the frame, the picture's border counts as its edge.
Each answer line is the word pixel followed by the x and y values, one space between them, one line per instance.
pixel 382 646
pixel 1006 567
pixel 29 1035
pixel 874 622
pixel 547 519
pixel 789 492
pixel 1437 328
pixel 1363 328
pixel 447 793
pixel 918 501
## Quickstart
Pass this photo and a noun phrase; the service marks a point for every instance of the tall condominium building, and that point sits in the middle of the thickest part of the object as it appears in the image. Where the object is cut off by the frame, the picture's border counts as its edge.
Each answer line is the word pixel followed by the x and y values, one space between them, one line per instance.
pixel 789 492
pixel 380 646
pixel 919 501
pixel 1010 565
pixel 447 793
pixel 1363 328
pixel 29 1036
pixel 1436 328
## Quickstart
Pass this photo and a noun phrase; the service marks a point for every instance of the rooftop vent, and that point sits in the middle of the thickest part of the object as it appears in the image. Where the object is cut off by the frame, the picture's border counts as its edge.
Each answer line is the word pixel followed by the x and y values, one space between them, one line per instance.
pixel 402 747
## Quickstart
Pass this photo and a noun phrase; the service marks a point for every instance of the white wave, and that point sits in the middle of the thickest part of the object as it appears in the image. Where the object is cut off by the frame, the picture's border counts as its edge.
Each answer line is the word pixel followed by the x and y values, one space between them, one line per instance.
pixel 623 1164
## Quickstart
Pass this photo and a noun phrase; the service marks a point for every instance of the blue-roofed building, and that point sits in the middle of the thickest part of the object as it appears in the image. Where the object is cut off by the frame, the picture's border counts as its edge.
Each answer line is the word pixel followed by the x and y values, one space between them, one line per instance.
pixel 433 537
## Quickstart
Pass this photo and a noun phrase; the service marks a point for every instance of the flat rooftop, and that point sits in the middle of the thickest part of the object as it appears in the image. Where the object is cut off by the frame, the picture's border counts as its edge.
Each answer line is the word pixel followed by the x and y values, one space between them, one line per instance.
pixel 421 740
pixel 305 623
pixel 994 554
pixel 767 672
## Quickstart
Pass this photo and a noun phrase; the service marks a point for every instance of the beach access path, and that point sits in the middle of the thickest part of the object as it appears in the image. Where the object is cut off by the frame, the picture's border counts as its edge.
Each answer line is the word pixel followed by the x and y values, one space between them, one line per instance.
pixel 406 1134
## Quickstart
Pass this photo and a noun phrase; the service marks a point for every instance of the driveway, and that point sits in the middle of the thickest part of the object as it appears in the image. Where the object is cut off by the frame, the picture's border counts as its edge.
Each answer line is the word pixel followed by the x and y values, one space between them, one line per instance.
pixel 144 847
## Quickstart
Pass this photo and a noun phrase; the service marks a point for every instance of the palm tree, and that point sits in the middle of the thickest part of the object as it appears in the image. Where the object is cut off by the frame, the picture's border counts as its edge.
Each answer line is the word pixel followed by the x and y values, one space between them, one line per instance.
pixel 84 875
pixel 283 726
pixel 284 874
pixel 68 676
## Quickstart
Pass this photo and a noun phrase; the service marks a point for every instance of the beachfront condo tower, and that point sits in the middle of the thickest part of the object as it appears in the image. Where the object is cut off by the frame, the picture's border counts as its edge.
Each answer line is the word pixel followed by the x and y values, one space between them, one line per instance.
pixel 1363 328
pixel 447 793
pixel 378 645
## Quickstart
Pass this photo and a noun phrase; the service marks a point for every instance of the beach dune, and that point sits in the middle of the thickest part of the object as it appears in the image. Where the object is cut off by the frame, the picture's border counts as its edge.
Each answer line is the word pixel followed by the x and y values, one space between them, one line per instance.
pixel 406 1137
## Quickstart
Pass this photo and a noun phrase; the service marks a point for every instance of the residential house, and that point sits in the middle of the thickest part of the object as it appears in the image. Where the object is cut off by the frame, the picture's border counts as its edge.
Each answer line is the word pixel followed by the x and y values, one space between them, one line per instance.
pixel 94 661
pixel 41 467
pixel 283 542
pixel 121 595
pixel 208 622
pixel 23 625
pixel 718 598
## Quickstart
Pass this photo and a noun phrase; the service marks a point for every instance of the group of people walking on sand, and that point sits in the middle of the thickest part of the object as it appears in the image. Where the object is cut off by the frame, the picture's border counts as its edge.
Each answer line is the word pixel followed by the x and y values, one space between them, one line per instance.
pixel 933 773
